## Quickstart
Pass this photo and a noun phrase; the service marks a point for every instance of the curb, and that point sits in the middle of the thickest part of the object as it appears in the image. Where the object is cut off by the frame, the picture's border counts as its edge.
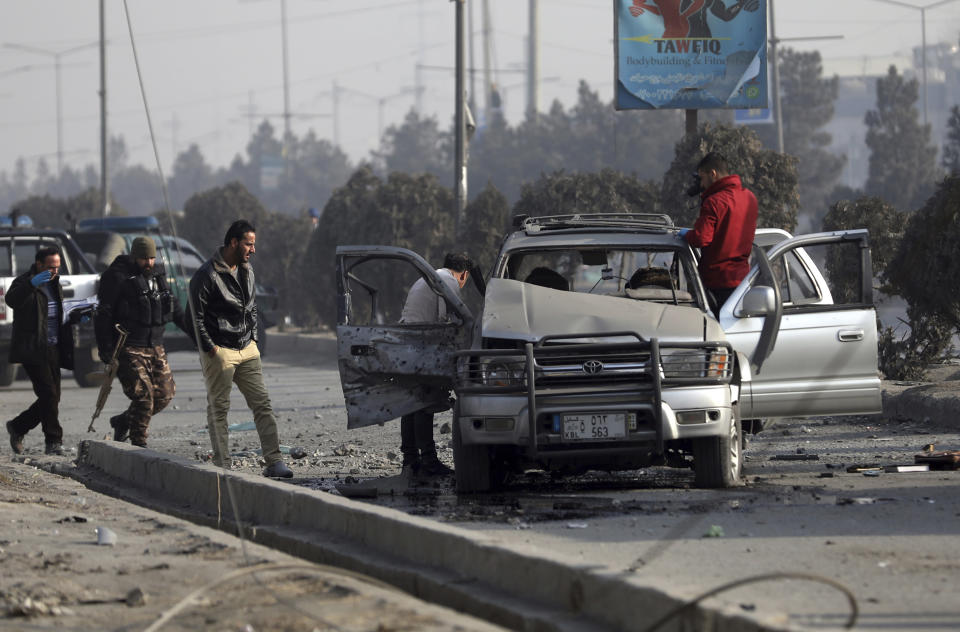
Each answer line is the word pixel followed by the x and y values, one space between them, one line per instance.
pixel 523 588
pixel 936 404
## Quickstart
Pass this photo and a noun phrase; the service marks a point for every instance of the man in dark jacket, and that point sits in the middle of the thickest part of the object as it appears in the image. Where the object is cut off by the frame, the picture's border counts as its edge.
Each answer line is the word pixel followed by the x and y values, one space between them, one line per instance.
pixel 223 300
pixel 134 294
pixel 37 301
pixel 724 229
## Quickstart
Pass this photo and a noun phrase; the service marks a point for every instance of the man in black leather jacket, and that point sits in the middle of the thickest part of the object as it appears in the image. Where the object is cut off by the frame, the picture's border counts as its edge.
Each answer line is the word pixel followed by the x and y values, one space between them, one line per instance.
pixel 223 300
pixel 134 294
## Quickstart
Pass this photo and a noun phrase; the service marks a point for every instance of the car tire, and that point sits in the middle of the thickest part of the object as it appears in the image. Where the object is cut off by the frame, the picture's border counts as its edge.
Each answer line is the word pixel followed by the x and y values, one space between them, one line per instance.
pixel 718 461
pixel 84 365
pixel 8 373
pixel 472 464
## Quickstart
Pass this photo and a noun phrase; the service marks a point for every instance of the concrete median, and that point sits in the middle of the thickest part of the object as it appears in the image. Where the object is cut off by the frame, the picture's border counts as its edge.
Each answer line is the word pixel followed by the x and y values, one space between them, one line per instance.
pixel 517 587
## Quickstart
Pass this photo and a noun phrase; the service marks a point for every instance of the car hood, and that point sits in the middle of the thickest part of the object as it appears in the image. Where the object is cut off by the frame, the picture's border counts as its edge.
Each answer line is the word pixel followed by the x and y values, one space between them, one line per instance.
pixel 521 311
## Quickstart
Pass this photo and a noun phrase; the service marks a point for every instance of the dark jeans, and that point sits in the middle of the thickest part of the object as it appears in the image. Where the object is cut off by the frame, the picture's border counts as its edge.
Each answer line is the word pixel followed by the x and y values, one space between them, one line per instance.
pixel 720 296
pixel 45 376
pixel 416 436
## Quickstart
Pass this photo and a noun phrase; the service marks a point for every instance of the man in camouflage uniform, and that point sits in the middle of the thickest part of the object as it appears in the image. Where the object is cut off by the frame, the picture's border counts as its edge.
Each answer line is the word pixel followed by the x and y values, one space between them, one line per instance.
pixel 134 294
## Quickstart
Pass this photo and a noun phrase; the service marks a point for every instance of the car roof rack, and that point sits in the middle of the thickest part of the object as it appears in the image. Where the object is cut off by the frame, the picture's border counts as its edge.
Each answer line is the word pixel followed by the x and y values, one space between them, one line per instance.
pixel 595 220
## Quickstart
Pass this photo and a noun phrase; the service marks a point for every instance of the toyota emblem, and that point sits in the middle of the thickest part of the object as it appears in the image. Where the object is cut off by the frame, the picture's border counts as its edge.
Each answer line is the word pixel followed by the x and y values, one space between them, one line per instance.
pixel 592 367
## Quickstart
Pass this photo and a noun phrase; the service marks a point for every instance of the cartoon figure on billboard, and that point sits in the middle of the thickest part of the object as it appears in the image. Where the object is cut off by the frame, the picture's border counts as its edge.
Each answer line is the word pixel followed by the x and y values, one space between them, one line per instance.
pixel 690 53
pixel 687 18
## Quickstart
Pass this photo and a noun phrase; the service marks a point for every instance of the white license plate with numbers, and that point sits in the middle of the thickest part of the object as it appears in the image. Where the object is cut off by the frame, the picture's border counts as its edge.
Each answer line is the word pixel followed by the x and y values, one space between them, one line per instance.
pixel 594 426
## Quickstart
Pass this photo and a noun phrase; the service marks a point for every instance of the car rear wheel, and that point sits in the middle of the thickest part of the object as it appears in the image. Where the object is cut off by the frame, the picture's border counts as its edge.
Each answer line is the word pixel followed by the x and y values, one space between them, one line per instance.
pixel 473 465
pixel 87 372
pixel 8 373
pixel 718 461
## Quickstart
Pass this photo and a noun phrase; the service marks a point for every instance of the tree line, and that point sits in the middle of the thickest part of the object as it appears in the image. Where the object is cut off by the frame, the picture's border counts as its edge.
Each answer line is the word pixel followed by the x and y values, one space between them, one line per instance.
pixel 581 159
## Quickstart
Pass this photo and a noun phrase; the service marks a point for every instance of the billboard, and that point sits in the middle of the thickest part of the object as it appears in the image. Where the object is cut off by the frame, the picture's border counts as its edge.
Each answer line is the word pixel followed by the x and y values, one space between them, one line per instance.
pixel 690 54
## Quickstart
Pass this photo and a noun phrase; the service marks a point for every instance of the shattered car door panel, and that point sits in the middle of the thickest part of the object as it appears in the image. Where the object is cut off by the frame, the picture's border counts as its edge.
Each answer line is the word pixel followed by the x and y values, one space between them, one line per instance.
pixel 388 372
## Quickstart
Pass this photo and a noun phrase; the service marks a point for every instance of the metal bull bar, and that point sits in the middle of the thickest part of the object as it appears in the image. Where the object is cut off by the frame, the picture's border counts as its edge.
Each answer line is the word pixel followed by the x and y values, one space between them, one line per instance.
pixel 650 372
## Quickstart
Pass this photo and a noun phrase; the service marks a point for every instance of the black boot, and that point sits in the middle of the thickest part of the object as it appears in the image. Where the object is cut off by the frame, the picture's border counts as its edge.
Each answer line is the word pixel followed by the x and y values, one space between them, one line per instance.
pixel 431 465
pixel 121 427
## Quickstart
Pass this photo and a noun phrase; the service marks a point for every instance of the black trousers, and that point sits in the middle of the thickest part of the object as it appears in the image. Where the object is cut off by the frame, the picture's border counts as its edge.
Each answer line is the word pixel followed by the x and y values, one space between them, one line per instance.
pixel 720 296
pixel 45 412
pixel 416 436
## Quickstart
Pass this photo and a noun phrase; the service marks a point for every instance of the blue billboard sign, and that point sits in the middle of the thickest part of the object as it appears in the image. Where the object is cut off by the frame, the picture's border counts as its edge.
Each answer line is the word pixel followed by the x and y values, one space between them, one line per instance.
pixel 691 54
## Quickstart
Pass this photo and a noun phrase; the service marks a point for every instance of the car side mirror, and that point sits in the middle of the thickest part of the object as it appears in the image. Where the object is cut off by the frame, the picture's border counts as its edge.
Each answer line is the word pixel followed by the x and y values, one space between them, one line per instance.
pixel 758 301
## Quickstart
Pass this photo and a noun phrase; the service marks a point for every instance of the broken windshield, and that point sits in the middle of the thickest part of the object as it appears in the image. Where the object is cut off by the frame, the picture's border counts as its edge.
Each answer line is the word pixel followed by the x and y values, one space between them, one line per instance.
pixel 662 275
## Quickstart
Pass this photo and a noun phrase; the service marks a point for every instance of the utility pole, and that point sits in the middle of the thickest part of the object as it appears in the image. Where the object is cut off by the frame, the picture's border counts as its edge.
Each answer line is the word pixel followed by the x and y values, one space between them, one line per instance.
pixel 473 66
pixel 286 74
pixel 774 60
pixel 460 136
pixel 336 113
pixel 777 115
pixel 104 180
pixel 487 77
pixel 418 73
pixel 533 61
pixel 923 31
pixel 58 95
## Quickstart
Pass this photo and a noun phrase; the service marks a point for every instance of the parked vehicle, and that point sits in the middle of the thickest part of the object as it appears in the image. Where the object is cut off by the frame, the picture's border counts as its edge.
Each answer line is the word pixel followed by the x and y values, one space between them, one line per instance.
pixel 18 247
pixel 594 347
pixel 104 239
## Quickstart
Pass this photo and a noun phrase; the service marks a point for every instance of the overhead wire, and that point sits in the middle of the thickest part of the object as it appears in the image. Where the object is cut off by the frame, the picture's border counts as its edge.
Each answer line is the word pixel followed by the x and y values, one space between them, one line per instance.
pixel 250 568
pixel 851 599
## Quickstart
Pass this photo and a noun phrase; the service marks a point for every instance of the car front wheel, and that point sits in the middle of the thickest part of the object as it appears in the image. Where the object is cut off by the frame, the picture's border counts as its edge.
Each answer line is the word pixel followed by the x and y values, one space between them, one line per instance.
pixel 718 461
pixel 473 464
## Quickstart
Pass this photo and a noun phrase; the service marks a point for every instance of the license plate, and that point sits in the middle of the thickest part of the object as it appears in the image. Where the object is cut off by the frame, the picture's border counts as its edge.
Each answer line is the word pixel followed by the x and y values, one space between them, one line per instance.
pixel 594 426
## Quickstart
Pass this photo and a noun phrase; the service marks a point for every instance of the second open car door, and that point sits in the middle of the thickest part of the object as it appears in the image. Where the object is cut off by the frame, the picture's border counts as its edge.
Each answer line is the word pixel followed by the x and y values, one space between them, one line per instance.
pixel 822 359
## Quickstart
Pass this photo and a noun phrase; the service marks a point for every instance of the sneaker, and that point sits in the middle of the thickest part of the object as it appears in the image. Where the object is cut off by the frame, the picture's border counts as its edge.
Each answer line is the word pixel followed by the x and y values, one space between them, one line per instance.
pixel 16 439
pixel 121 429
pixel 432 466
pixel 278 470
pixel 55 449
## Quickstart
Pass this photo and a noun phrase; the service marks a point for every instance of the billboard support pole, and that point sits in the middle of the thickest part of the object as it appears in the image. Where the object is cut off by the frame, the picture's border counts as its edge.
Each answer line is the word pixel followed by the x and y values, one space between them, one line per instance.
pixel 691 128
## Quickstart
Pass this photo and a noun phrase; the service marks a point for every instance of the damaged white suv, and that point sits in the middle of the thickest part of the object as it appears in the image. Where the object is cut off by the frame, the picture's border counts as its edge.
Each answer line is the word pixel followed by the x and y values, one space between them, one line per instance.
pixel 596 348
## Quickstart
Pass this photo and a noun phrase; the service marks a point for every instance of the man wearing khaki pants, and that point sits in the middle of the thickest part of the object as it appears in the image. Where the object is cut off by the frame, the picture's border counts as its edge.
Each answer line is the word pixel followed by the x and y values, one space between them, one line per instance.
pixel 223 304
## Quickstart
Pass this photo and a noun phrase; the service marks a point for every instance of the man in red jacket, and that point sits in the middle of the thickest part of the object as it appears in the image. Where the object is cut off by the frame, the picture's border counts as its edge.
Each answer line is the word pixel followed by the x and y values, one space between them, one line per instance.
pixel 724 229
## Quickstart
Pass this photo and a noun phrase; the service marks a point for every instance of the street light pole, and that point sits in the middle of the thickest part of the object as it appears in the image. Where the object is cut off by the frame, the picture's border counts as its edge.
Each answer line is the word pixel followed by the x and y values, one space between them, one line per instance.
pixel 460 122
pixel 923 37
pixel 774 61
pixel 56 68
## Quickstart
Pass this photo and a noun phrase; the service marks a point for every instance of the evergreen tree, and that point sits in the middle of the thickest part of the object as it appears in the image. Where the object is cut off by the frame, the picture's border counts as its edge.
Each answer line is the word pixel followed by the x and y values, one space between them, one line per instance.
pixel 903 166
pixel 951 145
pixel 807 102
pixel 770 175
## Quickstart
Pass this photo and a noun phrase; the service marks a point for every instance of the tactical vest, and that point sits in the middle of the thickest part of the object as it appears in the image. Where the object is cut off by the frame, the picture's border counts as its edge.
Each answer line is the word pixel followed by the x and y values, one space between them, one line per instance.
pixel 144 306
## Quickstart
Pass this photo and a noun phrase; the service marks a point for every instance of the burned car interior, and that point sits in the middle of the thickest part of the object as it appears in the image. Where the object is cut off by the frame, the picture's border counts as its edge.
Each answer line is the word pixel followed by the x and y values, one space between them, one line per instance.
pixel 660 275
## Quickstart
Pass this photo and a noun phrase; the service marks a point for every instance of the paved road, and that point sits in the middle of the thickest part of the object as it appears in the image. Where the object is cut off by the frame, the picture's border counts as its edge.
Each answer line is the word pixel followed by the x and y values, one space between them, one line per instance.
pixel 890 539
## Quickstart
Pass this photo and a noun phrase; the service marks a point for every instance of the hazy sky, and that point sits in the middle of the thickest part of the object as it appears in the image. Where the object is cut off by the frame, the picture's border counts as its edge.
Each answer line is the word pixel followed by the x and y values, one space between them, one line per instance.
pixel 207 63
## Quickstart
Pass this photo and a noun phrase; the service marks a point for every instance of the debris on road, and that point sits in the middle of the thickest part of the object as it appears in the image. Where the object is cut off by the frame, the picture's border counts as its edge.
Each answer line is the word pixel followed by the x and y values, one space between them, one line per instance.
pixel 906 468
pixel 105 536
pixel 864 467
pixel 946 460
pixel 795 457
pixel 715 531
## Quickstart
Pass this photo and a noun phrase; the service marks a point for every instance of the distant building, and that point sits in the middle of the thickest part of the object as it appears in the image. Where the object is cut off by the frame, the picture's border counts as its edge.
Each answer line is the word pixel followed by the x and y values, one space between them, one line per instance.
pixel 858 94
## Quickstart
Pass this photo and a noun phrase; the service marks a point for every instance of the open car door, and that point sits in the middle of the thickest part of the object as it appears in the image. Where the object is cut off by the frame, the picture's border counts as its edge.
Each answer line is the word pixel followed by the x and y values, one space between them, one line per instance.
pixel 822 358
pixel 389 369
